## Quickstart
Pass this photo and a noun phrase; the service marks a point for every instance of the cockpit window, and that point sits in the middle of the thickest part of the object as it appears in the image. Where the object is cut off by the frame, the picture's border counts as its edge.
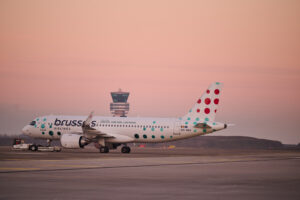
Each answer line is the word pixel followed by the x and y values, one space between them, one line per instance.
pixel 32 123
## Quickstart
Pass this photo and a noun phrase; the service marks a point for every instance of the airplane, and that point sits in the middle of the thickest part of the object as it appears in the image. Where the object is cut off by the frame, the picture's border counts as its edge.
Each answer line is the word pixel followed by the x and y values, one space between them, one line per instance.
pixel 110 132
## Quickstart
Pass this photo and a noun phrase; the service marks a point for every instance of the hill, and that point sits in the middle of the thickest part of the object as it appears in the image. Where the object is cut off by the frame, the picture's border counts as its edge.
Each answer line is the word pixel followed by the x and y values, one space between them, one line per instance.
pixel 229 142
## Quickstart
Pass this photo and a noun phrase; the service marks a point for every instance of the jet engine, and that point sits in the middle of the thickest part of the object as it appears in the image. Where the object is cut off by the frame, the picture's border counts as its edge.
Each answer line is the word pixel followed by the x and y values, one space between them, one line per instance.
pixel 73 141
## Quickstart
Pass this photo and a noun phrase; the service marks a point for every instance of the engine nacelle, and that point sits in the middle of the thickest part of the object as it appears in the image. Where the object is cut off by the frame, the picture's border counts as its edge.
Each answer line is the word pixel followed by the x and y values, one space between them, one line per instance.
pixel 73 141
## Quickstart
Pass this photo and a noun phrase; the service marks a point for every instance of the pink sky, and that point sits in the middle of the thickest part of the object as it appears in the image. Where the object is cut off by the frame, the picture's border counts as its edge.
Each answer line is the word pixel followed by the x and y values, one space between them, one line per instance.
pixel 66 56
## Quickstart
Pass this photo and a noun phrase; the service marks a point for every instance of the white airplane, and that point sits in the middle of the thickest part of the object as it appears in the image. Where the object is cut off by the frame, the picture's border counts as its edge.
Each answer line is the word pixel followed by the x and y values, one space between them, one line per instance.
pixel 110 132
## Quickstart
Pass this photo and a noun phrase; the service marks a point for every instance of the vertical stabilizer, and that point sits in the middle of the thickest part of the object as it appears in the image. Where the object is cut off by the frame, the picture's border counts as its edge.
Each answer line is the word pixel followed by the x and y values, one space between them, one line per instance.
pixel 206 106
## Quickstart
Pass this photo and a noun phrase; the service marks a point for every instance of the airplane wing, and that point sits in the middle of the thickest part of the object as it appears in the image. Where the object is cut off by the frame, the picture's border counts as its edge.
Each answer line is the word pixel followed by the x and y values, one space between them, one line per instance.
pixel 93 134
pixel 90 132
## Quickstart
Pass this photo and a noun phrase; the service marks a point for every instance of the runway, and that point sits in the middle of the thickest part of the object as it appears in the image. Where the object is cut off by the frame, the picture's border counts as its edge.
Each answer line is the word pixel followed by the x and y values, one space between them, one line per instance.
pixel 149 173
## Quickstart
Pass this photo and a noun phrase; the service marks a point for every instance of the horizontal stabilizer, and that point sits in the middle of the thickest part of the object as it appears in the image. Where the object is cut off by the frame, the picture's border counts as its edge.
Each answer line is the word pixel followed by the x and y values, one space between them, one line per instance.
pixel 202 125
pixel 230 124
pixel 215 126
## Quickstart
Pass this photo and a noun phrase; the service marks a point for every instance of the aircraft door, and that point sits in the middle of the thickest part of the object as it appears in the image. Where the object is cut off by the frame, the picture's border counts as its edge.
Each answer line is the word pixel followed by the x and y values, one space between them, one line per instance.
pixel 176 129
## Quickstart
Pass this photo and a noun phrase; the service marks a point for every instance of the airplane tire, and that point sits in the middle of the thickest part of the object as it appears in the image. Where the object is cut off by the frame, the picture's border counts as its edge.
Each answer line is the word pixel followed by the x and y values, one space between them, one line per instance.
pixel 125 149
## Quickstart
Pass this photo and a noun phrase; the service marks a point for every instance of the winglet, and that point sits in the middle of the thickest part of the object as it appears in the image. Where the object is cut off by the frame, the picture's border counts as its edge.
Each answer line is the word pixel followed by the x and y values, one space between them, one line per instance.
pixel 88 120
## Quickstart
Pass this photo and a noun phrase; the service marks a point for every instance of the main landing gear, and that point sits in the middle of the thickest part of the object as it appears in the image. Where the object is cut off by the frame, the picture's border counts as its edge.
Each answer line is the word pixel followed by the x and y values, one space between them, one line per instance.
pixel 125 149
pixel 105 149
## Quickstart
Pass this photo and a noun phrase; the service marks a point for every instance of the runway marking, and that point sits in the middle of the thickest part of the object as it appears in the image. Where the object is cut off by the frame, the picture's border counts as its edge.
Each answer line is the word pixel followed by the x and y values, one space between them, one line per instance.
pixel 18 170
pixel 27 159
pixel 75 166
pixel 13 159
pixel 26 153
pixel 51 160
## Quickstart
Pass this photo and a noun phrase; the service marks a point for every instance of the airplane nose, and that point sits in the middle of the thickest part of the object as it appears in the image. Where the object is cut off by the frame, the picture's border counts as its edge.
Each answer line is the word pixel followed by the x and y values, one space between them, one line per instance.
pixel 25 130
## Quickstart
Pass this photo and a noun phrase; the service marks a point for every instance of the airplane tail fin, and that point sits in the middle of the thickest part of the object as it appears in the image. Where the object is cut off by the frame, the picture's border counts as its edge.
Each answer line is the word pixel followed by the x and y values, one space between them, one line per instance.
pixel 206 106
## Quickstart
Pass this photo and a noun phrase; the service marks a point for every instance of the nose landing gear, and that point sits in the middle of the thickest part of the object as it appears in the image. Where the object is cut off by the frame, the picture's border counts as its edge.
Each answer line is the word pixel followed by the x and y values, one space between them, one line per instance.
pixel 49 142
pixel 33 147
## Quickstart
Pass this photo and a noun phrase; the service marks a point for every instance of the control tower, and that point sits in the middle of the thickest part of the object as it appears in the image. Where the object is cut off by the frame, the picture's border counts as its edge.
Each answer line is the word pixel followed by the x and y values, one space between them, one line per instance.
pixel 119 107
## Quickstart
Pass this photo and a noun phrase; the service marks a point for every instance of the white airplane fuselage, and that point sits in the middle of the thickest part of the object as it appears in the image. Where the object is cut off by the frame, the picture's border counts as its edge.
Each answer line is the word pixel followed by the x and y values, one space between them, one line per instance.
pixel 141 130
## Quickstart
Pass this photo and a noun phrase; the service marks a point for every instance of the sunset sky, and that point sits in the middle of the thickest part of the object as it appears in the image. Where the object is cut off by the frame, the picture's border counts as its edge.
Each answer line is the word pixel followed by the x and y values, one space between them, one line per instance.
pixel 66 56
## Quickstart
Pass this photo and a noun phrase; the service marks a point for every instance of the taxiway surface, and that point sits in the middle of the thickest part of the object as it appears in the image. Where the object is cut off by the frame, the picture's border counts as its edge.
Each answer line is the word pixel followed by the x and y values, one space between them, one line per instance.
pixel 181 173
